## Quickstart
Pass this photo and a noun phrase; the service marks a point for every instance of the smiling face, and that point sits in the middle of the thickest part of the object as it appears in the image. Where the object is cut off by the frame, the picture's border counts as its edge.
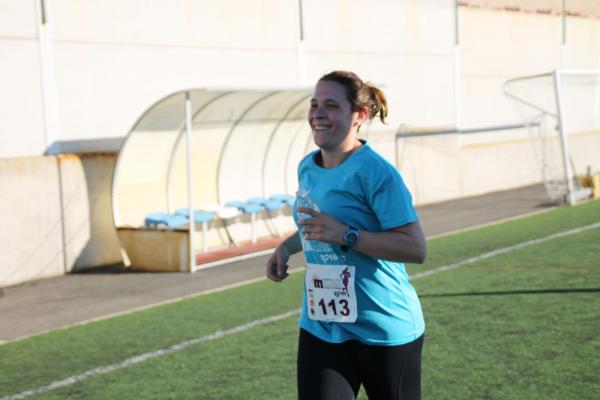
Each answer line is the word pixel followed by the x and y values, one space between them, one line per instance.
pixel 333 122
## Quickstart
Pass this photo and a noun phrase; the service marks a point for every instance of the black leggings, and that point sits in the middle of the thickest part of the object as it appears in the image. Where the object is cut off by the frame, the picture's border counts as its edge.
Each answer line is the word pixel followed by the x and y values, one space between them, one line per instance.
pixel 335 371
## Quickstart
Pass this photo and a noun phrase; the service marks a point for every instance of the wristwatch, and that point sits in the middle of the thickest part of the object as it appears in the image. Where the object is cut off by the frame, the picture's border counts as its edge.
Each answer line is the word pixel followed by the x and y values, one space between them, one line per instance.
pixel 350 239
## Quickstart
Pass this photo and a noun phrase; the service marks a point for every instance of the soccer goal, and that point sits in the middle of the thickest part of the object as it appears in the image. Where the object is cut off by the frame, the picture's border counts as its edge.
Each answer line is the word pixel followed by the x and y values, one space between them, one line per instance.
pixel 563 110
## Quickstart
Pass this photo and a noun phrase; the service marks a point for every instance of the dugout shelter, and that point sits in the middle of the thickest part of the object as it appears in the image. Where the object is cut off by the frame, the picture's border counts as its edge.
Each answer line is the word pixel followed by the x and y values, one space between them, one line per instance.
pixel 226 157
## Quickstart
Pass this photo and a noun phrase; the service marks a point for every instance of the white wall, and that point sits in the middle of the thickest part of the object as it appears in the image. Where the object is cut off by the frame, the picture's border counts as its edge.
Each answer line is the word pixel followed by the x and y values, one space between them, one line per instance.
pixel 495 47
pixel 56 216
pixel 114 58
pixel 31 238
pixel 21 103
pixel 406 46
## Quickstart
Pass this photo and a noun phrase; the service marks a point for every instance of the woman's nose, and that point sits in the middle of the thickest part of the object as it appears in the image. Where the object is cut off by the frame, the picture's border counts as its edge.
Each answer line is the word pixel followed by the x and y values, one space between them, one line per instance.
pixel 319 112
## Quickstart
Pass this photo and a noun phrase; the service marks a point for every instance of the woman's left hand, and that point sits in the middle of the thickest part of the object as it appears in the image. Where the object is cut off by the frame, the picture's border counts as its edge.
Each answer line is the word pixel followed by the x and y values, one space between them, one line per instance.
pixel 321 226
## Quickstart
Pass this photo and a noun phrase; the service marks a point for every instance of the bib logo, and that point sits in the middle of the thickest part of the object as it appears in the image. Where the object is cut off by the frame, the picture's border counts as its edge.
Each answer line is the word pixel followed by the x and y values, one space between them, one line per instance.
pixel 339 285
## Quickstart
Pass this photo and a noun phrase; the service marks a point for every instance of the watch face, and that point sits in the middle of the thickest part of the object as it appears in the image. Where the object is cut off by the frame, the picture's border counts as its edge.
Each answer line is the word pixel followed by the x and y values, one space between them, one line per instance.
pixel 351 238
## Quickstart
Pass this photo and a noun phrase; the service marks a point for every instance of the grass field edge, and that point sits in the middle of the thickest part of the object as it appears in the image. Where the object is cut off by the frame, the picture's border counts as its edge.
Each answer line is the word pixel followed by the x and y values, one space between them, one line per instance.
pixel 147 307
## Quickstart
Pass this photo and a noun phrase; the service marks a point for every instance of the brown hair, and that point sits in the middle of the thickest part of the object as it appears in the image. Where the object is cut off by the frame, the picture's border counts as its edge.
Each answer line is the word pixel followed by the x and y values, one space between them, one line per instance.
pixel 360 94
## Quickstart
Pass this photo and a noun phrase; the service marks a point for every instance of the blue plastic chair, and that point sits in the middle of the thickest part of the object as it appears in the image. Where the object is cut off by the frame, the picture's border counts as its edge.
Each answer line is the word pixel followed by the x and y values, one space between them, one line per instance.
pixel 235 203
pixel 245 207
pixel 248 208
pixel 170 221
pixel 200 217
pixel 257 200
pixel 270 205
pixel 284 198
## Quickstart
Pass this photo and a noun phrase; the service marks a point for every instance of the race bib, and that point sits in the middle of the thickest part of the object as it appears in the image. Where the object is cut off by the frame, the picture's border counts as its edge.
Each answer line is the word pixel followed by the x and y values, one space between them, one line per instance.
pixel 330 294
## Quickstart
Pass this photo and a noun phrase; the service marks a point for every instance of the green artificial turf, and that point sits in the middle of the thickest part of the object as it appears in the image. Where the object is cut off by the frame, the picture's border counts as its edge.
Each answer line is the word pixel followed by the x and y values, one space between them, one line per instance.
pixel 521 325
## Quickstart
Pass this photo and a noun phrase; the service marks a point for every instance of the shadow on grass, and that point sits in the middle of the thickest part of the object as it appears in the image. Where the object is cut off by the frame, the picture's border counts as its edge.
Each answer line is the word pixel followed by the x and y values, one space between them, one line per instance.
pixel 512 292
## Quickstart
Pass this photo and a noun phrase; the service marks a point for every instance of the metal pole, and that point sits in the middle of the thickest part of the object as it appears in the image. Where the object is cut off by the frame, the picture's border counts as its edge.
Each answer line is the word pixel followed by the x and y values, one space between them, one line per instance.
pixel 457 81
pixel 563 46
pixel 48 79
pixel 300 21
pixel 396 150
pixel 564 22
pixel 192 222
pixel 43 11
pixel 402 131
pixel 597 94
pixel 300 52
pixel 563 138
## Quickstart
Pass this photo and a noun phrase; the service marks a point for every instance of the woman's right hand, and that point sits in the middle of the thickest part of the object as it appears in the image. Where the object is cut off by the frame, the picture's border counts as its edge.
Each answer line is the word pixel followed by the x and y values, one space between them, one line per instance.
pixel 277 265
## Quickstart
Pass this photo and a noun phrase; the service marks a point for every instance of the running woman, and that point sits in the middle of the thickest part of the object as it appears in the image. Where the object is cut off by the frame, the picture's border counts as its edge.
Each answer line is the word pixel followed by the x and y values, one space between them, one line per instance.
pixel 361 320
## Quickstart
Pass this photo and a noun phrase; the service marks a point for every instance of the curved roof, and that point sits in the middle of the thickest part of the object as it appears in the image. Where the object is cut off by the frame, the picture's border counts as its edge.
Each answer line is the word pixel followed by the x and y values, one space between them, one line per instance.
pixel 244 143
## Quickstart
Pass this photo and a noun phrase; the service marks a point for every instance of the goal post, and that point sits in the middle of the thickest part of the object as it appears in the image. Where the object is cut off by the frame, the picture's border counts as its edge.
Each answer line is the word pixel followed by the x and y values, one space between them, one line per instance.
pixel 565 103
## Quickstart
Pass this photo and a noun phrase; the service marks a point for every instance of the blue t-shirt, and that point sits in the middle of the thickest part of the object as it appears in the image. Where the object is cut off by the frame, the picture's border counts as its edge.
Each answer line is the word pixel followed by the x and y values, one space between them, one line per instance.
pixel 368 193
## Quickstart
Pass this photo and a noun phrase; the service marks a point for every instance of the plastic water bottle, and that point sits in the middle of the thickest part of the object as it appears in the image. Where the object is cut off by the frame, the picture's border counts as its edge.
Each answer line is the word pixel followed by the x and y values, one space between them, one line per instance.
pixel 303 200
pixel 315 251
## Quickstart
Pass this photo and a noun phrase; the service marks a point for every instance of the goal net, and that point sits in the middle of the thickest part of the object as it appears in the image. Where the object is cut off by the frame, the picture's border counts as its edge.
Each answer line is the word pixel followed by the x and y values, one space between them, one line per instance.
pixel 445 163
pixel 562 111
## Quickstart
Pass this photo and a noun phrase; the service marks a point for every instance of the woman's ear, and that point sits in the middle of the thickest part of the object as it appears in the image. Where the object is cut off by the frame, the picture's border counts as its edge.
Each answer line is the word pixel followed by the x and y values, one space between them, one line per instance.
pixel 362 116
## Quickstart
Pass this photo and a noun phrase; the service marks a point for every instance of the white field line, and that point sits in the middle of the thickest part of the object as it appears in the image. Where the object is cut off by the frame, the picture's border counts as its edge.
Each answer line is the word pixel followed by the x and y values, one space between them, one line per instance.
pixel 504 250
pixel 240 328
pixel 147 356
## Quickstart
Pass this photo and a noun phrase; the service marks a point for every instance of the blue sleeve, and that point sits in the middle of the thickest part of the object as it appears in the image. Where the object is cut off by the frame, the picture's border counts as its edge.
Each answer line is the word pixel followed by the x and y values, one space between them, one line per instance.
pixel 390 199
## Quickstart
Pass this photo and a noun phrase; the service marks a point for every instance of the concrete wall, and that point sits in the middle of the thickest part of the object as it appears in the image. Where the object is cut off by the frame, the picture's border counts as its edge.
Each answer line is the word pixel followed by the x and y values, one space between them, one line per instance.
pixel 21 103
pixel 31 238
pixel 90 236
pixel 56 216
pixel 112 59
pixel 103 63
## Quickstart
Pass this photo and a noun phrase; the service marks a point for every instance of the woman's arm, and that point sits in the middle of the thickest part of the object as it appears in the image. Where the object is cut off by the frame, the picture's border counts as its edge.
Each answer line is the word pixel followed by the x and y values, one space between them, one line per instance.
pixel 292 244
pixel 403 244
pixel 277 265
